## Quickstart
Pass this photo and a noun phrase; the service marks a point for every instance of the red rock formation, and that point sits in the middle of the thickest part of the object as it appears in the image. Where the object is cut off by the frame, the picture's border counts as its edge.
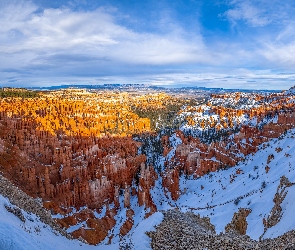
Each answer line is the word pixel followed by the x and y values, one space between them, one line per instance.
pixel 171 182
pixel 197 158
pixel 69 171
pixel 78 151
pixel 146 182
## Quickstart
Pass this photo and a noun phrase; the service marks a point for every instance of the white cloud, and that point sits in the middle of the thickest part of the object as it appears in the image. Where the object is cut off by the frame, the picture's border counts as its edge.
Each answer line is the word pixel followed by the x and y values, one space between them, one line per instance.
pixel 260 13
pixel 281 55
pixel 286 35
pixel 95 33
pixel 272 45
pixel 278 48
pixel 244 10
pixel 230 78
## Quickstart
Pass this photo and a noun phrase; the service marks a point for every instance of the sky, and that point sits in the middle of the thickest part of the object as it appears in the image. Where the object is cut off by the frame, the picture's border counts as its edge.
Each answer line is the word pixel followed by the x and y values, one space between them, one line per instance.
pixel 246 44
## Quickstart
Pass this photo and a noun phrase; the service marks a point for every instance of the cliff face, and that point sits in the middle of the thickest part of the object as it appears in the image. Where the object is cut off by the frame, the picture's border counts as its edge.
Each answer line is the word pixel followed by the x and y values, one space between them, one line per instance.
pixel 75 150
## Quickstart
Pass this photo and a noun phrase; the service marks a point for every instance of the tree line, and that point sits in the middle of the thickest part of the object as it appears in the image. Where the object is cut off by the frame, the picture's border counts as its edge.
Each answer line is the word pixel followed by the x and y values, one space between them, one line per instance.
pixel 23 93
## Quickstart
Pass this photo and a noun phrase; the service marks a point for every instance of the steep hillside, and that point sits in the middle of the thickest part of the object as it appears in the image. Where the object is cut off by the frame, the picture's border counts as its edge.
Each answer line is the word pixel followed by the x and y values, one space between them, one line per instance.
pixel 260 183
pixel 21 231
pixel 25 224
pixel 254 198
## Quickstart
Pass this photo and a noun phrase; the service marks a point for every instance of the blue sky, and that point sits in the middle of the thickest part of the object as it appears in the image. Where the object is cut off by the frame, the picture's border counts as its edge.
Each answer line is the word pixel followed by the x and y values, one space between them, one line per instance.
pixel 230 43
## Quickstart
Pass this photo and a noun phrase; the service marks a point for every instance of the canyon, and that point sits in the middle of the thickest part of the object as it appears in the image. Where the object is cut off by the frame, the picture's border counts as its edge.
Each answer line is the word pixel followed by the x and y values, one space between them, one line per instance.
pixel 100 162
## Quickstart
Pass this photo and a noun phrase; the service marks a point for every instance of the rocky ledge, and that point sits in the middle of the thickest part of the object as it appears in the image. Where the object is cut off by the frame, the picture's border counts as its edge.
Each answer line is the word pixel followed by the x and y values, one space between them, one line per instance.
pixel 189 231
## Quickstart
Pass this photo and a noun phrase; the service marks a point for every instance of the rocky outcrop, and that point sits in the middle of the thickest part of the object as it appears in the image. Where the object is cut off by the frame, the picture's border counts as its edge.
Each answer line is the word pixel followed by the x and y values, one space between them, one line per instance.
pixel 239 223
pixel 170 182
pixel 218 136
pixel 21 200
pixel 96 229
pixel 276 212
pixel 189 231
pixel 147 179
pixel 127 225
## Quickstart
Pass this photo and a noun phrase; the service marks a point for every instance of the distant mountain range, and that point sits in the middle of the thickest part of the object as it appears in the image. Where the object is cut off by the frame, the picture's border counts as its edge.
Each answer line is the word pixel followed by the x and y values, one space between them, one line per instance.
pixel 138 87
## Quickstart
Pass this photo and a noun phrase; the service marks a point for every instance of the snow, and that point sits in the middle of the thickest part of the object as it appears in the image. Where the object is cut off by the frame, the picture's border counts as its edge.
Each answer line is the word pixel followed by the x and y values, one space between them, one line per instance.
pixel 138 236
pixel 290 91
pixel 101 214
pixel 77 226
pixel 220 197
pixel 174 141
pixel 33 234
pixel 217 199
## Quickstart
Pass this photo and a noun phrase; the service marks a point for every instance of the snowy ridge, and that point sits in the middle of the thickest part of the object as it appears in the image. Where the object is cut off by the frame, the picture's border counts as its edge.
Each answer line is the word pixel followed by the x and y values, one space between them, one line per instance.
pixel 290 91
pixel 218 195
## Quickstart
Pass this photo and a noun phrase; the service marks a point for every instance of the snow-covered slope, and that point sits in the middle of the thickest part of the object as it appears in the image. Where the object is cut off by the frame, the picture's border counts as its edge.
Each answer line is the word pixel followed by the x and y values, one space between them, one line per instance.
pixel 220 194
pixel 251 184
pixel 33 234
pixel 290 91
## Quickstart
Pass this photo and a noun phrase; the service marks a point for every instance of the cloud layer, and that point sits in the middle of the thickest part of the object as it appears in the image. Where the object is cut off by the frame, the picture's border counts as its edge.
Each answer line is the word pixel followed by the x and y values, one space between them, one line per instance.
pixel 49 46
